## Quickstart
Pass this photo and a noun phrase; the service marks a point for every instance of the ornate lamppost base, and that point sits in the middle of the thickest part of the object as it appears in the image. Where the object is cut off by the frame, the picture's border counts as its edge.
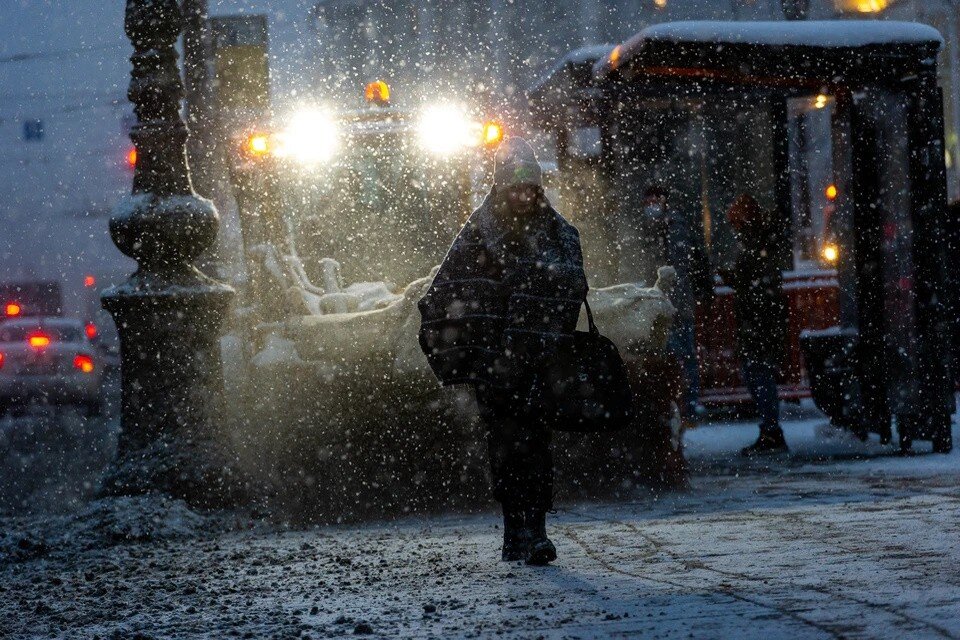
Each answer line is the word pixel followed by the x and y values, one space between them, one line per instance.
pixel 171 391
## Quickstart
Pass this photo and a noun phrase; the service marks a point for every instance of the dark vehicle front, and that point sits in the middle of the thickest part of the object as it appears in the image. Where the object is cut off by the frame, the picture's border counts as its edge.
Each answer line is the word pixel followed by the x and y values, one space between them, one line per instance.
pixel 382 190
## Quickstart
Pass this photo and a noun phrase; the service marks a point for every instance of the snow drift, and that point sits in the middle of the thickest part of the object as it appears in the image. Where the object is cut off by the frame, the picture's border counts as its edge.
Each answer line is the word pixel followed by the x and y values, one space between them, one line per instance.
pixel 338 412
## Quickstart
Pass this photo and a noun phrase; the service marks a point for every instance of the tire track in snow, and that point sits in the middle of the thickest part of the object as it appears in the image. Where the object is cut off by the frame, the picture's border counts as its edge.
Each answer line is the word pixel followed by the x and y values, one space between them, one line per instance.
pixel 596 557
pixel 661 547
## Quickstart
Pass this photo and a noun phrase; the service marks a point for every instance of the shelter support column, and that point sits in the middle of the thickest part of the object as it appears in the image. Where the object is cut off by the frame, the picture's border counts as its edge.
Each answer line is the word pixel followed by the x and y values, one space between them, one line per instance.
pixel 931 279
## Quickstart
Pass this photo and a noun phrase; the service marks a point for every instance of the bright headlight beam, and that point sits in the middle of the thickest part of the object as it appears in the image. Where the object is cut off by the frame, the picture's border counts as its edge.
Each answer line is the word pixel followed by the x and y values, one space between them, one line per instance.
pixel 312 137
pixel 445 129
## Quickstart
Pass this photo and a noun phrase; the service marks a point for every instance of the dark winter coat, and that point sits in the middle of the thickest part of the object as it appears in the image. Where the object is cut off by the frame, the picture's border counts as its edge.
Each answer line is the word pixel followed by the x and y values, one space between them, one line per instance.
pixel 506 297
pixel 758 301
pixel 677 240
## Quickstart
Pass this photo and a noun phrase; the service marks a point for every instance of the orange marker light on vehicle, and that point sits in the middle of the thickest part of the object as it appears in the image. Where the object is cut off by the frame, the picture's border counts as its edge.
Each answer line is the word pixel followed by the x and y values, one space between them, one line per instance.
pixel 83 362
pixel 89 281
pixel 831 192
pixel 13 309
pixel 377 92
pixel 132 158
pixel 91 330
pixel 38 340
pixel 492 133
pixel 258 145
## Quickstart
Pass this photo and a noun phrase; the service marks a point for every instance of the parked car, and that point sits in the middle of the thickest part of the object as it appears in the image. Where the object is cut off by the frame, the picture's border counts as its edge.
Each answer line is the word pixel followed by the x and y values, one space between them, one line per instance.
pixel 50 360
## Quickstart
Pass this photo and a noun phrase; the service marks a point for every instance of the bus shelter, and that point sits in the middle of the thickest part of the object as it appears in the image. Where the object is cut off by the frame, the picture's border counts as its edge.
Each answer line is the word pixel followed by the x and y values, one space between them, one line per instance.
pixel 837 129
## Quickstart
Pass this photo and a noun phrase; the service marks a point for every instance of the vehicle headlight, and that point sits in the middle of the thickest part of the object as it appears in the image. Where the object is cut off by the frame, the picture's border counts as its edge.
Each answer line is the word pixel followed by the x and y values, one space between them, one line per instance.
pixel 312 137
pixel 445 129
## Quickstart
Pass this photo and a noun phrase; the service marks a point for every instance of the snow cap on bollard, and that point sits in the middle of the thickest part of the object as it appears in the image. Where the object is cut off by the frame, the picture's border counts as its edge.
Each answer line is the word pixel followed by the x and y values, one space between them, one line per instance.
pixel 516 163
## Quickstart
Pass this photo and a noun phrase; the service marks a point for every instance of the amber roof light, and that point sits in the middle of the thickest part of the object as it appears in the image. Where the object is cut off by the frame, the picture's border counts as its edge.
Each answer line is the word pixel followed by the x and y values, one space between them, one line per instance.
pixel 377 92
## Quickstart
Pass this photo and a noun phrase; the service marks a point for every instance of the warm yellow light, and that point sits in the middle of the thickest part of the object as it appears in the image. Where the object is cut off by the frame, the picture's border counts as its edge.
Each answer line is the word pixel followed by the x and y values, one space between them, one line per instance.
pixel 312 137
pixel 445 129
pixel 39 340
pixel 830 253
pixel 377 92
pixel 492 133
pixel 820 101
pixel 831 192
pixel 615 56
pixel 870 6
pixel 660 3
pixel 258 144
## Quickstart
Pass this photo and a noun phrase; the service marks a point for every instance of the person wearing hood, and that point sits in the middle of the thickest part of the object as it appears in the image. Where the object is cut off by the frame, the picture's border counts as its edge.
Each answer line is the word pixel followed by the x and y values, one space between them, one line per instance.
pixel 505 300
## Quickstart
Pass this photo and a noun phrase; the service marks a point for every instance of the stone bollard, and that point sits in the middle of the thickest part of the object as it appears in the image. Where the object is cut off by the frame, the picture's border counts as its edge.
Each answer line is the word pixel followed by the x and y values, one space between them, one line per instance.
pixel 168 313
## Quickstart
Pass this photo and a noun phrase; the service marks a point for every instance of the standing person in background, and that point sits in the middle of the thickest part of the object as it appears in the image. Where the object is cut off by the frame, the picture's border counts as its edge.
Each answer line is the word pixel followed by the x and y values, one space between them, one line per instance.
pixel 761 315
pixel 503 305
pixel 673 237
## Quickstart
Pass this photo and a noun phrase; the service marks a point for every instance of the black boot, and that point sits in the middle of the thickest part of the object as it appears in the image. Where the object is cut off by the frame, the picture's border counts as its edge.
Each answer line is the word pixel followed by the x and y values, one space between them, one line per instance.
pixel 542 551
pixel 770 442
pixel 516 538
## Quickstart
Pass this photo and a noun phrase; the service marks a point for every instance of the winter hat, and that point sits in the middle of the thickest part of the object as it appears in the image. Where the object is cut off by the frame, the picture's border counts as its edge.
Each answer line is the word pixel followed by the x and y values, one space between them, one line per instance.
pixel 516 163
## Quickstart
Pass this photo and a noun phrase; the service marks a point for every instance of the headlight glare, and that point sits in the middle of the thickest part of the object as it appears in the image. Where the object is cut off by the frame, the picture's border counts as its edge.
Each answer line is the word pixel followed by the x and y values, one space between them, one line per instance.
pixel 312 137
pixel 445 129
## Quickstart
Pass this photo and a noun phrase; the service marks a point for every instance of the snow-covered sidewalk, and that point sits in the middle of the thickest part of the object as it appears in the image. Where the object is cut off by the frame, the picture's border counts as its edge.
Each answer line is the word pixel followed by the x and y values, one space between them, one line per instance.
pixel 841 539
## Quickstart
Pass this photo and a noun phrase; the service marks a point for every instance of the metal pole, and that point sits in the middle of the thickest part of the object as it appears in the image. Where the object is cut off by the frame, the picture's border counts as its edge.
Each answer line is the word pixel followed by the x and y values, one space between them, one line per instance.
pixel 168 313
pixel 202 118
pixel 199 109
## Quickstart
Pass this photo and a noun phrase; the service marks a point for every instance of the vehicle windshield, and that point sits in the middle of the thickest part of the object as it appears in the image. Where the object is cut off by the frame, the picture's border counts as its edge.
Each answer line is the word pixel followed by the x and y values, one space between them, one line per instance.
pixel 384 210
pixel 21 331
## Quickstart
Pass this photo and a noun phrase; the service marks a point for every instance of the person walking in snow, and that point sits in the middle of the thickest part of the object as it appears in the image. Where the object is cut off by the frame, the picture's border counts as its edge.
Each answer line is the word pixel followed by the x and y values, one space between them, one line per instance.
pixel 505 301
pixel 761 315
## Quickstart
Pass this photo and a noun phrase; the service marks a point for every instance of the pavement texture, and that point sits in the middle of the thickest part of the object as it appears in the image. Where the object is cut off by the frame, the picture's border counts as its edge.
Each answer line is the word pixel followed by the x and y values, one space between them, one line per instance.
pixel 840 539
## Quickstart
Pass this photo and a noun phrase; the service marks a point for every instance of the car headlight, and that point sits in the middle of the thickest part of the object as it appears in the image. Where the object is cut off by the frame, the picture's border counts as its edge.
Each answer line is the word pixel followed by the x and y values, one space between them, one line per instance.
pixel 445 129
pixel 312 137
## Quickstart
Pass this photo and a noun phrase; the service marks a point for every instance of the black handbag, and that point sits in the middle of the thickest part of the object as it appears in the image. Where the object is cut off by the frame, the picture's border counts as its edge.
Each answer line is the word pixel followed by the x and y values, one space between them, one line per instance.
pixel 585 389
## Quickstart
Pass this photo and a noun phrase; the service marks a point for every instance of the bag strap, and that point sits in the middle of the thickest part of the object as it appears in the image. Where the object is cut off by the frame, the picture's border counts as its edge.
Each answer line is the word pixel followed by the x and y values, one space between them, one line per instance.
pixel 593 325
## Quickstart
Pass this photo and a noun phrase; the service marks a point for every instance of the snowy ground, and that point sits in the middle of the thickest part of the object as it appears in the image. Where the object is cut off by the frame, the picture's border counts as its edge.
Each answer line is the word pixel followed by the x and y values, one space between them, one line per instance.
pixel 840 539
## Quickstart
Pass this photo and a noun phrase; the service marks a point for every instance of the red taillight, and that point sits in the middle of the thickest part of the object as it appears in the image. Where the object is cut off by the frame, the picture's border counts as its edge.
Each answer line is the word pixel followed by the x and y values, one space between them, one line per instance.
pixel 89 281
pixel 91 330
pixel 1 360
pixel 13 309
pixel 83 362
pixel 38 340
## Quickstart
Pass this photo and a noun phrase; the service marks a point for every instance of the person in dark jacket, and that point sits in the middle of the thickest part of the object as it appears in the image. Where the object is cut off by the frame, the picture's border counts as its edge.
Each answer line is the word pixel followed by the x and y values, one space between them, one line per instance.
pixel 671 236
pixel 761 315
pixel 505 300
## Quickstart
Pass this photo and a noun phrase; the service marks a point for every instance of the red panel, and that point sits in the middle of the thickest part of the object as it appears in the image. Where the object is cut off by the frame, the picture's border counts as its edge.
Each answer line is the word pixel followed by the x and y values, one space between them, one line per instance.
pixel 813 303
